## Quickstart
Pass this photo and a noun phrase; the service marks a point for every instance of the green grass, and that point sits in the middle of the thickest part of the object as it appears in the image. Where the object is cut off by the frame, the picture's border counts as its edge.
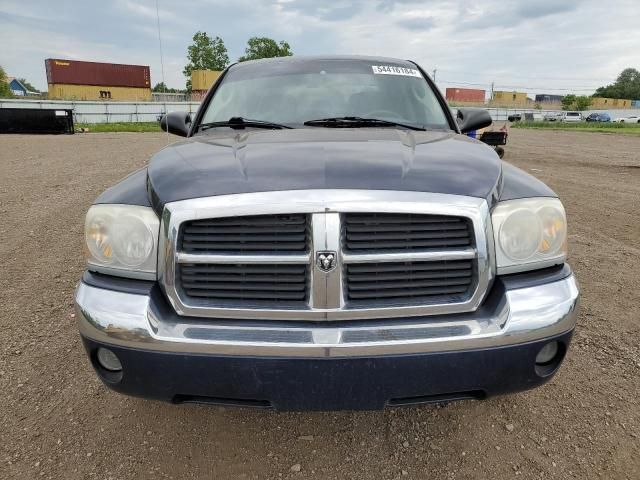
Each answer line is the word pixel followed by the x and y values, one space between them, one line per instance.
pixel 120 127
pixel 624 128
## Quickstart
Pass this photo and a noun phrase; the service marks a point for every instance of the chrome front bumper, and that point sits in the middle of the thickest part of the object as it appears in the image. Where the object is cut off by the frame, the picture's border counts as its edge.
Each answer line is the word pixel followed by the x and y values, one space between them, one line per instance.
pixel 515 316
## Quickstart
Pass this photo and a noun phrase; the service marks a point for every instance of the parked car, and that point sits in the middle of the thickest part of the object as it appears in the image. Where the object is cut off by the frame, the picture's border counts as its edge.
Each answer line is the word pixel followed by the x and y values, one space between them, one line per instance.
pixel 552 117
pixel 598 117
pixel 571 117
pixel 326 237
pixel 525 117
pixel 631 119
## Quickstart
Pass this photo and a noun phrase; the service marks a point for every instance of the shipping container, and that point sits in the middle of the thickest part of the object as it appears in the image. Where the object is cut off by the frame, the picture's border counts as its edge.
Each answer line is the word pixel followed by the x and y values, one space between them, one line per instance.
pixel 73 72
pixel 95 92
pixel 203 79
pixel 635 104
pixel 465 95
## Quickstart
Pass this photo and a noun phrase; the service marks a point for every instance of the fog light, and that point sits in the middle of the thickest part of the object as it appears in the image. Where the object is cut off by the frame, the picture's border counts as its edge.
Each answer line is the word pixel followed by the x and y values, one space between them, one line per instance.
pixel 108 360
pixel 547 353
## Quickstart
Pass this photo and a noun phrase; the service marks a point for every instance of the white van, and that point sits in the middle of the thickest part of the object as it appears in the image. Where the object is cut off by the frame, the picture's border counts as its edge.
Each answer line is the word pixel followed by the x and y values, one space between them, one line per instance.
pixel 571 117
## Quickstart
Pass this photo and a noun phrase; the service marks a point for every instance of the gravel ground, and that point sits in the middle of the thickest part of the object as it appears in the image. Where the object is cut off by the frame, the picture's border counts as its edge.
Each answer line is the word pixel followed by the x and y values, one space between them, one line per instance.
pixel 58 421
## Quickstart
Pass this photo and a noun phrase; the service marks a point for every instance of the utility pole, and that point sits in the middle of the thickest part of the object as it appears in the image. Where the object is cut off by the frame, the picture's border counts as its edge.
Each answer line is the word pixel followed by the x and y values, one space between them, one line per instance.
pixel 491 90
pixel 434 75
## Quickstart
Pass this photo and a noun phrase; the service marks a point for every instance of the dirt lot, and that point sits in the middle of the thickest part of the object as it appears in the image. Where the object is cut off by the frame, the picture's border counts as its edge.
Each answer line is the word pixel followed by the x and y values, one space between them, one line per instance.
pixel 58 421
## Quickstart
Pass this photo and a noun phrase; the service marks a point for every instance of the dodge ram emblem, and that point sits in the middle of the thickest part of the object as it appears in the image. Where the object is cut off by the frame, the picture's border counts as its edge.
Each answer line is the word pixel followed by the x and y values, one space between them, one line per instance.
pixel 326 261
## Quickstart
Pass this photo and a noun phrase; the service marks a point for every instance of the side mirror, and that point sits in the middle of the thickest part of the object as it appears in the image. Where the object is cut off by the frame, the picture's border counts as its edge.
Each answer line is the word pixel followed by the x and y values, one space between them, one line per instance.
pixel 177 123
pixel 470 119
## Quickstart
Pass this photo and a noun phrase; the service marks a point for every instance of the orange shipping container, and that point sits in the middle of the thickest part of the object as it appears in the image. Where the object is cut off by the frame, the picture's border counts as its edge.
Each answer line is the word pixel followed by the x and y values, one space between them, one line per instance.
pixel 465 95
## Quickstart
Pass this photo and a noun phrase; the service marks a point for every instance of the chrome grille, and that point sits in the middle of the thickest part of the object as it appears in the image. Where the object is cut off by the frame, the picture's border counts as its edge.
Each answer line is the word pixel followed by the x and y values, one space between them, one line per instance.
pixel 410 281
pixel 260 255
pixel 404 232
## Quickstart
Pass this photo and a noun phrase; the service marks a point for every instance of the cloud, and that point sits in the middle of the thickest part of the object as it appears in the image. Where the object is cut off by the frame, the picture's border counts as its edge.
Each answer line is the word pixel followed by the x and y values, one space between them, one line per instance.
pixel 544 8
pixel 571 45
pixel 418 24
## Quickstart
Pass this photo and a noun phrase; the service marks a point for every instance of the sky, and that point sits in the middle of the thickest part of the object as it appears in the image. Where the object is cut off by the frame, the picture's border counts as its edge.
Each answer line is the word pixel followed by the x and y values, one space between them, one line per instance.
pixel 538 46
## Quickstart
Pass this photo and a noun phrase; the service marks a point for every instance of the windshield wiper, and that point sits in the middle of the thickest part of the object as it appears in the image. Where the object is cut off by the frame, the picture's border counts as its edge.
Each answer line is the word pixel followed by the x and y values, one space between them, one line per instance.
pixel 344 122
pixel 240 122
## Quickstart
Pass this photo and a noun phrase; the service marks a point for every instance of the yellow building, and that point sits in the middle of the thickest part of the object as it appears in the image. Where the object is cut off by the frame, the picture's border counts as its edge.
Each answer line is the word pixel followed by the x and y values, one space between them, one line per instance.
pixel 510 98
pixel 599 103
pixel 621 103
pixel 62 91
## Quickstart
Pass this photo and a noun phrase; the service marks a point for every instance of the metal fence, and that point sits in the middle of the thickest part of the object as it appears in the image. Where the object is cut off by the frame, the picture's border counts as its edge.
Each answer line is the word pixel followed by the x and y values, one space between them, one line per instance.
pixel 107 112
pixel 112 112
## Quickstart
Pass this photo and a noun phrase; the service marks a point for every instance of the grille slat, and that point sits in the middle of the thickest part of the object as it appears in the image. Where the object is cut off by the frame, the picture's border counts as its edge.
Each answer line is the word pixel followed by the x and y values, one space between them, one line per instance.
pixel 414 292
pixel 248 234
pixel 384 232
pixel 409 282
pixel 409 235
pixel 237 295
pixel 266 283
pixel 379 277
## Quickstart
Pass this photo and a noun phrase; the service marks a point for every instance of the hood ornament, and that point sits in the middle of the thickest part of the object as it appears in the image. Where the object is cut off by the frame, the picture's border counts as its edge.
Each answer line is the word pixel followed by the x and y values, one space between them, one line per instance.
pixel 326 260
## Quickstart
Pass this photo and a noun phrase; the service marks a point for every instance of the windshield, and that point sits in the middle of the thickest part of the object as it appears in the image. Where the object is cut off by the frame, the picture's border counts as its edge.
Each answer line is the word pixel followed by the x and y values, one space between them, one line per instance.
pixel 295 91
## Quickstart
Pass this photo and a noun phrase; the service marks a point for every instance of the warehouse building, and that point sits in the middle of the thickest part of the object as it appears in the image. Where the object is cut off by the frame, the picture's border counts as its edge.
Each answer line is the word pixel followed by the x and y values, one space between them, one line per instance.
pixel 201 82
pixel 76 80
pixel 548 98
pixel 465 95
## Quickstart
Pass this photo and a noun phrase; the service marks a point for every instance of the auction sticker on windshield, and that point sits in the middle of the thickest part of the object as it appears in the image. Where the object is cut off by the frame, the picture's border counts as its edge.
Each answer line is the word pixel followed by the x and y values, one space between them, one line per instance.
pixel 394 70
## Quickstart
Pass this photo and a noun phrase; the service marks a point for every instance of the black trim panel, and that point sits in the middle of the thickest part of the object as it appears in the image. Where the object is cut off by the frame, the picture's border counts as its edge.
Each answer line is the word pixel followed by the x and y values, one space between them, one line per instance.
pixel 118 284
pixel 367 383
pixel 536 277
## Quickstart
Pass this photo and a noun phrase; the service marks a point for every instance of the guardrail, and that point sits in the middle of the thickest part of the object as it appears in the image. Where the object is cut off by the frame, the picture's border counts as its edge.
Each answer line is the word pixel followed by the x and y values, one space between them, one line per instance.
pixel 112 112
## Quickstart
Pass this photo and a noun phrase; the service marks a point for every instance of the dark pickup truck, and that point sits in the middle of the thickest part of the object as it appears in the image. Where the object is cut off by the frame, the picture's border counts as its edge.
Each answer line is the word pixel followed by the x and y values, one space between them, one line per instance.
pixel 326 237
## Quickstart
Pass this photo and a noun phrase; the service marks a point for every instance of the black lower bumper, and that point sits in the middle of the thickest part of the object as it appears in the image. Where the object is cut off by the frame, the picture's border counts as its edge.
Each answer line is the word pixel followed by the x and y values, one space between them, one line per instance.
pixel 327 384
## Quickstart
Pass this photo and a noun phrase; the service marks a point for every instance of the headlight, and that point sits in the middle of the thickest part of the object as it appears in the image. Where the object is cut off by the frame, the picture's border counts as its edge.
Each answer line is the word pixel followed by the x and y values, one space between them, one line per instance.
pixel 530 233
pixel 122 240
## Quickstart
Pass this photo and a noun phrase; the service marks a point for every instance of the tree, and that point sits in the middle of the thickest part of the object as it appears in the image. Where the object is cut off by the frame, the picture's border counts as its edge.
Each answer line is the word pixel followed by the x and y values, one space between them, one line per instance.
pixel 575 102
pixel 5 91
pixel 205 53
pixel 28 86
pixel 162 88
pixel 568 101
pixel 583 102
pixel 264 47
pixel 627 85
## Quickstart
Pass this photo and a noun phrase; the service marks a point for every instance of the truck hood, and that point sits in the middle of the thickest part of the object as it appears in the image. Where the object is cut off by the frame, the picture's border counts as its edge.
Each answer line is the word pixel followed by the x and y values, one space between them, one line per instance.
pixel 323 158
